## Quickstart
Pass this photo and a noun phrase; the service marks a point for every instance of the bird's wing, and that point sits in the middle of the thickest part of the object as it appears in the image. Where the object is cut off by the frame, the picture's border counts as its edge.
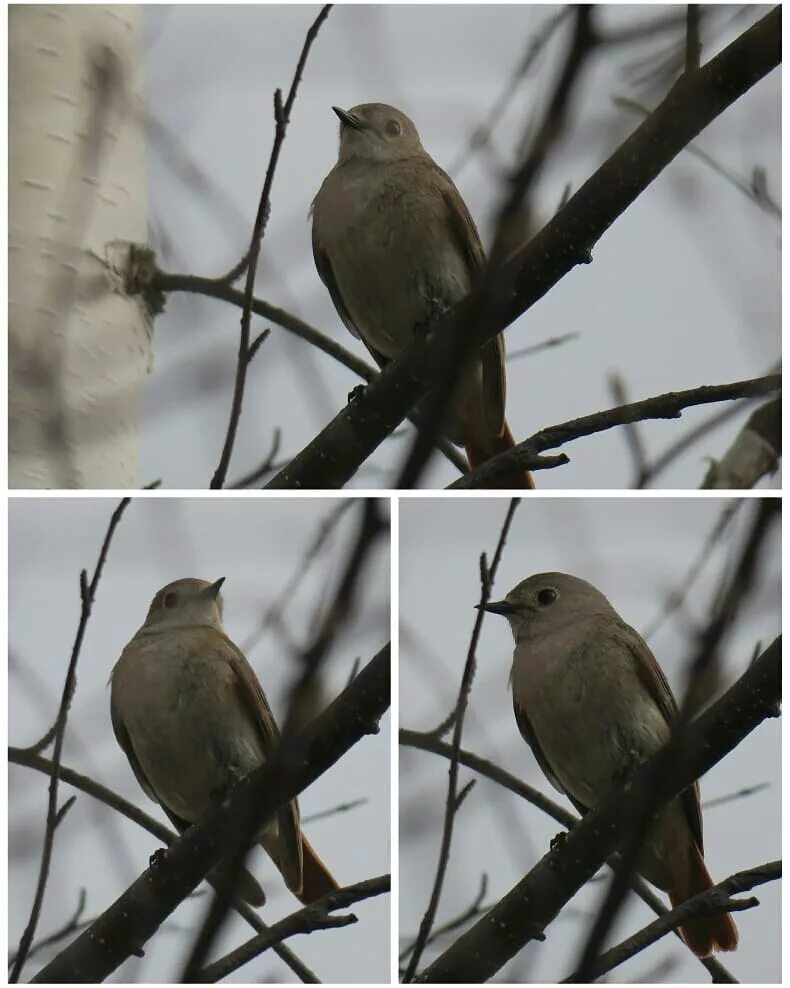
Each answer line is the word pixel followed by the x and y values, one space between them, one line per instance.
pixel 492 353
pixel 257 706
pixel 123 739
pixel 325 271
pixel 525 726
pixel 652 677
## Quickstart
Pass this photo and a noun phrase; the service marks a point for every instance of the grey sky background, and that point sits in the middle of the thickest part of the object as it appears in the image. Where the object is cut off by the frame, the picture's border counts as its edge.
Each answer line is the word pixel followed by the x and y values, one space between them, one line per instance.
pixel 258 545
pixel 636 552
pixel 683 290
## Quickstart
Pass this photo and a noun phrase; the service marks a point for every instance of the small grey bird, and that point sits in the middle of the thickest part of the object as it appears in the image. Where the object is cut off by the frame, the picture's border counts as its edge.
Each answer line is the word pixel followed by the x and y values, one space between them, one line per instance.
pixel 191 716
pixel 396 246
pixel 592 702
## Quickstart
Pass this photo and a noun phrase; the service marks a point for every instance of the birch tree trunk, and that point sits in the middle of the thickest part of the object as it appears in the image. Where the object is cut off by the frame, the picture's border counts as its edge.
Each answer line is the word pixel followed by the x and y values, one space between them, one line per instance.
pixel 79 347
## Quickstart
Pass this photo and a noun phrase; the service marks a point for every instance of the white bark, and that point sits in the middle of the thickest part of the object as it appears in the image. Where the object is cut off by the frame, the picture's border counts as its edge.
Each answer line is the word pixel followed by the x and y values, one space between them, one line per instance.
pixel 79 349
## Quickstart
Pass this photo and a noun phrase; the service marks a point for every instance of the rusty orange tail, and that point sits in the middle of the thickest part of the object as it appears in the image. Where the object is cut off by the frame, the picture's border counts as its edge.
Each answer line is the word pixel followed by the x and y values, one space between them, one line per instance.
pixel 708 933
pixel 316 878
pixel 478 453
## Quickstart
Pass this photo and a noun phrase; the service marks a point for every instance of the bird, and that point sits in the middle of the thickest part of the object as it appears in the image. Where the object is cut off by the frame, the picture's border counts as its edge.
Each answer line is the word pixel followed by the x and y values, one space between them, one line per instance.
pixel 396 246
pixel 592 702
pixel 189 713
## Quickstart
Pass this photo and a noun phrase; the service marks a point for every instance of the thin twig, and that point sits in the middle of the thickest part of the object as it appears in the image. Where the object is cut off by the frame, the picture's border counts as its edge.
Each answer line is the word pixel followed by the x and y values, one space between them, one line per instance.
pixel 75 922
pixel 633 436
pixel 711 902
pixel 487 576
pixel 315 916
pixel 526 454
pixel 474 909
pixel 263 468
pixel 693 44
pixel 282 114
pixel 674 600
pixel 87 597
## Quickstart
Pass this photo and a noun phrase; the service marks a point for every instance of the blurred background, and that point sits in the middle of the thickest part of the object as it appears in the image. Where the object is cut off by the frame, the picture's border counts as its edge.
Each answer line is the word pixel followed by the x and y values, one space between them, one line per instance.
pixel 282 561
pixel 683 289
pixel 642 554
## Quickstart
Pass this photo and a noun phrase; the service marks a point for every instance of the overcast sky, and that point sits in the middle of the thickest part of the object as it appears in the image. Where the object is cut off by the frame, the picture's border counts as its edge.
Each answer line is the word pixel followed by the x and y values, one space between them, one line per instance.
pixel 259 547
pixel 683 289
pixel 636 552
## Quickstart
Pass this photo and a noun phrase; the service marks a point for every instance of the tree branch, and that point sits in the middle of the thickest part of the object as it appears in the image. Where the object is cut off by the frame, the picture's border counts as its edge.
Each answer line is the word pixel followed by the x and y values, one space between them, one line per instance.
pixel 711 902
pixel 452 802
pixel 282 115
pixel 315 916
pixel 58 731
pixel 526 454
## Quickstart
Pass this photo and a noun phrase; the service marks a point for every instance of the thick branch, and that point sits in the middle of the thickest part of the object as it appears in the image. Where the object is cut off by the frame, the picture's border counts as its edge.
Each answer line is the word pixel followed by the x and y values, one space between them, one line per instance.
pixel 123 928
pixel 332 458
pixel 524 913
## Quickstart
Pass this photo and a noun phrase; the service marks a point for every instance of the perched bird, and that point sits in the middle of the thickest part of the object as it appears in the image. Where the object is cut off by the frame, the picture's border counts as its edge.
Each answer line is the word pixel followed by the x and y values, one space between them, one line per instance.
pixel 396 246
pixel 592 702
pixel 192 718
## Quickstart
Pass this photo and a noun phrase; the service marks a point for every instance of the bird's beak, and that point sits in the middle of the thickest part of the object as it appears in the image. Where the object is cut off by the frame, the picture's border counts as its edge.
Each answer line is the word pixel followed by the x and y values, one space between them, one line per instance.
pixel 348 119
pixel 212 592
pixel 498 607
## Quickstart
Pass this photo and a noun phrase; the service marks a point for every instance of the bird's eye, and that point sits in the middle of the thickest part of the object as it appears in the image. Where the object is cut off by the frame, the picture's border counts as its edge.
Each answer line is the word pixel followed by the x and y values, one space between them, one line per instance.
pixel 547 596
pixel 170 599
pixel 393 128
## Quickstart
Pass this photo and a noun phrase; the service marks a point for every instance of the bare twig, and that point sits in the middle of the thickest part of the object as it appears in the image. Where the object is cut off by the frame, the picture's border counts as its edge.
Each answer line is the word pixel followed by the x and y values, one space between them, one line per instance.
pixel 75 922
pixel 282 114
pixel 486 580
pixel 693 44
pixel 526 454
pixel 547 344
pixel 756 192
pixel 58 731
pixel 263 468
pixel 315 916
pixel 474 909
pixel 631 432
pixel 712 902
pixel 675 599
